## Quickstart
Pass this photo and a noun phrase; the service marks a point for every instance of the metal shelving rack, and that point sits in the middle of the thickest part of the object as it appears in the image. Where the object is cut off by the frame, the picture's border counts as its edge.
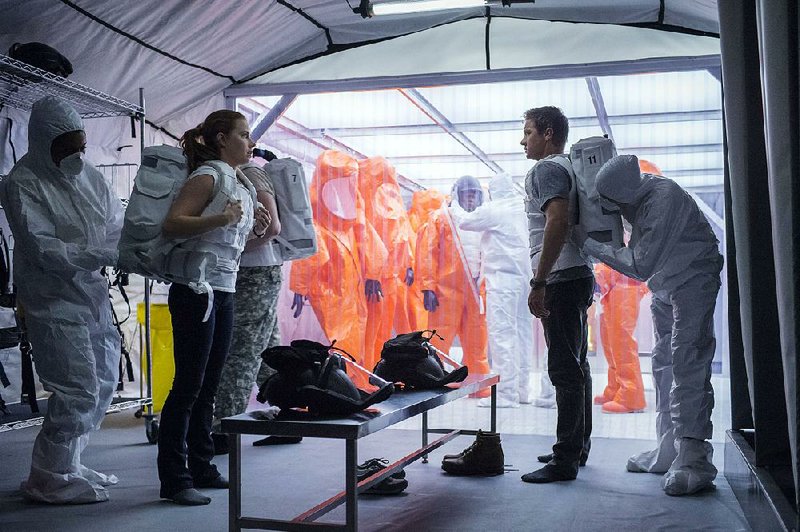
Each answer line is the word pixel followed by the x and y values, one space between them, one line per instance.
pixel 20 86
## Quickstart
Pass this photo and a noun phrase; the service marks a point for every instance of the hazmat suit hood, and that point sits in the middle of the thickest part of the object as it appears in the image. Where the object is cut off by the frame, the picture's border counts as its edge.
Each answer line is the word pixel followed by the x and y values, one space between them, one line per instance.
pixel 502 187
pixel 621 180
pixel 465 183
pixel 423 203
pixel 50 118
pixel 334 196
pixel 649 168
pixel 377 183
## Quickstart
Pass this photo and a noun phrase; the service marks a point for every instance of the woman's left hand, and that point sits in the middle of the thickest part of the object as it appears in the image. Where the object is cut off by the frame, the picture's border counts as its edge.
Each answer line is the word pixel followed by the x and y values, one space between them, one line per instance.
pixel 261 220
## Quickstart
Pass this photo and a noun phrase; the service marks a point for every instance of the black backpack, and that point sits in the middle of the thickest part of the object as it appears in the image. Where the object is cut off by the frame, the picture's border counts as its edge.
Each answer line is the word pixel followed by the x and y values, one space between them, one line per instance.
pixel 411 359
pixel 41 56
pixel 310 376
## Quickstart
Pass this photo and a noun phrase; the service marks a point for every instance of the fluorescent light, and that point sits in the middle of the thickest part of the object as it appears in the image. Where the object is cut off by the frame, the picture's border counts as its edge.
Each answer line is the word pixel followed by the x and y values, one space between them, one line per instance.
pixel 416 6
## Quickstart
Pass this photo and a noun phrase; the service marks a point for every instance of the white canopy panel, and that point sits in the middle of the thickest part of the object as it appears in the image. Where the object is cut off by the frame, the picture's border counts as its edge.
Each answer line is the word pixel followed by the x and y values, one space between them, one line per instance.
pixel 460 47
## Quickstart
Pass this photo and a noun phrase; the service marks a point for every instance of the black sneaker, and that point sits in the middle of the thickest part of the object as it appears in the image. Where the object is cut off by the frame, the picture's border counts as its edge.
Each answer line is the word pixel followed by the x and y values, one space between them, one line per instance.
pixel 373 465
pixel 389 486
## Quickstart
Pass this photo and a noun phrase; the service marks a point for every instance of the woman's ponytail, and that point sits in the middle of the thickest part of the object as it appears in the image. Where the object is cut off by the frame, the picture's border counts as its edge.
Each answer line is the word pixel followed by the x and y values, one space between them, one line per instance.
pixel 200 143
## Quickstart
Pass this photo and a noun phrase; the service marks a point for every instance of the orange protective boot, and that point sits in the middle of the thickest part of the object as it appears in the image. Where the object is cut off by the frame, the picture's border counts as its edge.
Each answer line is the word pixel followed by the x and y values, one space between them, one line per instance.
pixel 613 407
pixel 603 398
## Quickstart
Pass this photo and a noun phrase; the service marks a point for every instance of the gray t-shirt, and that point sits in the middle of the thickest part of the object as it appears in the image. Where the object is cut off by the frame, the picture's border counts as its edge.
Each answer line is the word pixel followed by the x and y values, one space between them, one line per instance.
pixel 268 254
pixel 260 180
pixel 551 180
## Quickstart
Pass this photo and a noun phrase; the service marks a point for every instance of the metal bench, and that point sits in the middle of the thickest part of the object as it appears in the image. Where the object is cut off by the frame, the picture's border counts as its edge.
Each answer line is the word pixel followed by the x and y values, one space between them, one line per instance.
pixel 399 407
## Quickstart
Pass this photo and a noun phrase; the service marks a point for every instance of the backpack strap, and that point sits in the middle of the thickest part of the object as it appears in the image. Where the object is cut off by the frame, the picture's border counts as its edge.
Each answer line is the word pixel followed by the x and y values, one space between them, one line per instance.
pixel 564 162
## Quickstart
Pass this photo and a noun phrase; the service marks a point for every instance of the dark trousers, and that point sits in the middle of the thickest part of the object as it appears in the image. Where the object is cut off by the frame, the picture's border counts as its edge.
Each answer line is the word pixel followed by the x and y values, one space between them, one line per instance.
pixel 566 335
pixel 200 350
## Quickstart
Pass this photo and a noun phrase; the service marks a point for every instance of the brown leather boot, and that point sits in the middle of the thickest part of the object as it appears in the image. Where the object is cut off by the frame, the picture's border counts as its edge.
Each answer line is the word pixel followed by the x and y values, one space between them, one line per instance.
pixel 484 457
pixel 459 455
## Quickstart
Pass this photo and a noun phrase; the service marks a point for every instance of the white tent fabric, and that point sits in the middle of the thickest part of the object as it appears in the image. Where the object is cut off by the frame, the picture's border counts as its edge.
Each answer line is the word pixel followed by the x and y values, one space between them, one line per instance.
pixel 183 53
pixel 513 43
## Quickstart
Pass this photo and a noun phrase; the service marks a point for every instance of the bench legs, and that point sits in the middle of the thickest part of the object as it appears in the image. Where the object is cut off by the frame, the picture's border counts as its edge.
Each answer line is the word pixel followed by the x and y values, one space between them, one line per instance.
pixel 235 481
pixel 351 460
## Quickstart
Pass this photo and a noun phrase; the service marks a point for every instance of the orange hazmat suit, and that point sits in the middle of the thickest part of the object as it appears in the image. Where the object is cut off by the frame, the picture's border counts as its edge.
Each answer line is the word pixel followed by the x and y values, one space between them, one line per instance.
pixel 423 204
pixel 377 183
pixel 620 297
pixel 350 251
pixel 442 271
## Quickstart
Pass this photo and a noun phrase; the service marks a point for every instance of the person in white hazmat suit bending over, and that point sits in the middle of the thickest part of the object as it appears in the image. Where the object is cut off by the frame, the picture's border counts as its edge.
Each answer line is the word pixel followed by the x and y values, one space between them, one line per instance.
pixel 66 223
pixel 506 268
pixel 674 249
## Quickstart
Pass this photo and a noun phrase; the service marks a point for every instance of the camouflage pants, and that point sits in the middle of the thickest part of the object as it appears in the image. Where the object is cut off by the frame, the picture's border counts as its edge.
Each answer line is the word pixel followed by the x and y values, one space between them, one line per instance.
pixel 255 327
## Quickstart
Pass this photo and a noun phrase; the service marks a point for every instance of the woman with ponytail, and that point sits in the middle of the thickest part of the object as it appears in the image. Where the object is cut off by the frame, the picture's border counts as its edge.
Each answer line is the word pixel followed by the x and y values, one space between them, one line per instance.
pixel 213 216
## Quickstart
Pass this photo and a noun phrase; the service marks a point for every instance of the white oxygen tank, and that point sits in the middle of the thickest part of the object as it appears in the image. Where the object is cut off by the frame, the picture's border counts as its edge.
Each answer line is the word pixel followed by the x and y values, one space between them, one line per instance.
pixel 297 238
pixel 587 156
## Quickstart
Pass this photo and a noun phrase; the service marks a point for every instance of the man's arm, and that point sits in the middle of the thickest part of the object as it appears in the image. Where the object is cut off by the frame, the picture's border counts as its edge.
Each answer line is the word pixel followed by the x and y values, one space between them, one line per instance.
pixel 556 227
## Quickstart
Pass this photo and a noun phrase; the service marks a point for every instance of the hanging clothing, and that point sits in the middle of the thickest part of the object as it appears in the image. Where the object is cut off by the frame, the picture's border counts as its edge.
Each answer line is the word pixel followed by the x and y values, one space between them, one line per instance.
pixel 384 209
pixel 349 251
pixel 448 261
pixel 423 204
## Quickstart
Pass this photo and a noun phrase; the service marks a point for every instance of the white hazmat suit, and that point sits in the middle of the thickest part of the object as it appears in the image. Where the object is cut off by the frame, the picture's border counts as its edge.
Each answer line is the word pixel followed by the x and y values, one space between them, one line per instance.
pixel 506 268
pixel 674 249
pixel 66 228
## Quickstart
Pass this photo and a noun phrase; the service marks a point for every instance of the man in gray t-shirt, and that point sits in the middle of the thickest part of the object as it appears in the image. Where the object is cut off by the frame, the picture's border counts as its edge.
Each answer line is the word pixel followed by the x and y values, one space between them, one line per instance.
pixel 561 291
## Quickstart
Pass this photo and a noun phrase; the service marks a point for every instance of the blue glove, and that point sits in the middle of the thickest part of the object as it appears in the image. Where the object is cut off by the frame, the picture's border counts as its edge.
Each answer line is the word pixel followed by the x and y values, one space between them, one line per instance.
pixel 429 300
pixel 372 289
pixel 409 280
pixel 297 305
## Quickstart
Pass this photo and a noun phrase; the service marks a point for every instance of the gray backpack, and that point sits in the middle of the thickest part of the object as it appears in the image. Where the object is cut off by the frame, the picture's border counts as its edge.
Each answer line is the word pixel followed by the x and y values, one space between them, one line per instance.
pixel 297 238
pixel 160 177
pixel 585 159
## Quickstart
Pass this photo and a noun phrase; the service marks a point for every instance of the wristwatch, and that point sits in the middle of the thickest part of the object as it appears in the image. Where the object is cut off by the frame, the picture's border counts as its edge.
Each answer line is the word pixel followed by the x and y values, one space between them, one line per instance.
pixel 535 285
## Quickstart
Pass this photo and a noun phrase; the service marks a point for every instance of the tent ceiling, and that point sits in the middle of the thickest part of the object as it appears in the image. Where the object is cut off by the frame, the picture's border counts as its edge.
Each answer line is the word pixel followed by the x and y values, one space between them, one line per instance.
pixel 184 53
pixel 512 44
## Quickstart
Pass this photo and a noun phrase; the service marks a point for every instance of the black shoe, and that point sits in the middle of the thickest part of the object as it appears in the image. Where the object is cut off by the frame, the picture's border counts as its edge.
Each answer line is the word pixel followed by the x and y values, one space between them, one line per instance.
pixel 277 440
pixel 389 486
pixel 545 458
pixel 373 465
pixel 219 482
pixel 189 497
pixel 549 473
pixel 221 443
pixel 484 457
